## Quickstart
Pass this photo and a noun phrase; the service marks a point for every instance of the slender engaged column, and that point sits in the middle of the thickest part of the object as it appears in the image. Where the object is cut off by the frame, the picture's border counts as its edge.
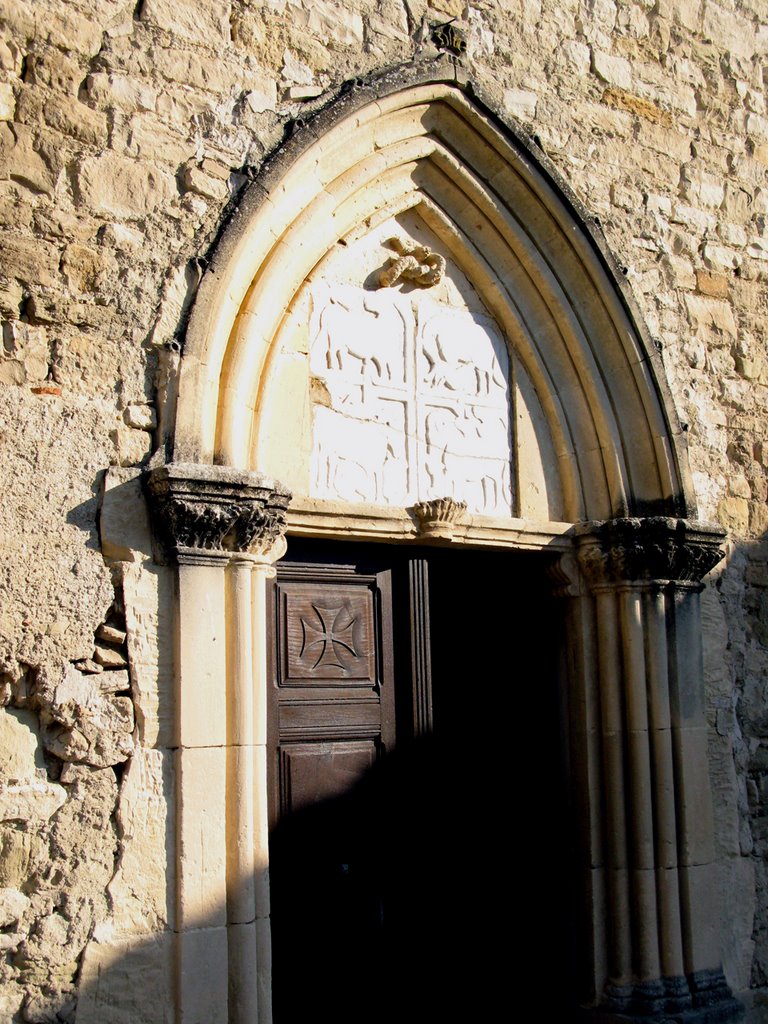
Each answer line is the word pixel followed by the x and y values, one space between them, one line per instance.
pixel 663 955
pixel 588 823
pixel 241 821
pixel 263 570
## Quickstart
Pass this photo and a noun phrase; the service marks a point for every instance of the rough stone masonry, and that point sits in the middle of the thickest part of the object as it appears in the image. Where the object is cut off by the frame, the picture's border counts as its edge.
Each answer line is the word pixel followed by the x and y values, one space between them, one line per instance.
pixel 127 132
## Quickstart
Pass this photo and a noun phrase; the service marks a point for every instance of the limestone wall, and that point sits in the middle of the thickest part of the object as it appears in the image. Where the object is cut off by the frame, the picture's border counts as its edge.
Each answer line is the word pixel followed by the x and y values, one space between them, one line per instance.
pixel 127 131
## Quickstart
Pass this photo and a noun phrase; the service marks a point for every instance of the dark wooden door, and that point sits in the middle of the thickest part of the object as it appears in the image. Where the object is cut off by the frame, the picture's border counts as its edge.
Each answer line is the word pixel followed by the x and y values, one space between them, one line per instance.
pixel 414 753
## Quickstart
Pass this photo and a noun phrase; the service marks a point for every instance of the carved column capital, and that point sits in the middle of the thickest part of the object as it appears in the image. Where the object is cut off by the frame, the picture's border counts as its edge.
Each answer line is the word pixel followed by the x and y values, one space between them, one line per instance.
pixel 439 517
pixel 200 510
pixel 652 550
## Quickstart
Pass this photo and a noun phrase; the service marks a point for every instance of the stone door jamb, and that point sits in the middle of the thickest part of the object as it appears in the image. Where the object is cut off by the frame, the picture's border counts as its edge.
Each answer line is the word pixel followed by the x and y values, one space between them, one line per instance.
pixel 222 529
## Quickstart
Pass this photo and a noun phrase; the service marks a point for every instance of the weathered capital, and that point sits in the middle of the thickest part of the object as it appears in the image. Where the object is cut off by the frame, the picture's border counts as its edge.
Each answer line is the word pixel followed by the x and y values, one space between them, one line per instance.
pixel 656 549
pixel 199 508
pixel 439 517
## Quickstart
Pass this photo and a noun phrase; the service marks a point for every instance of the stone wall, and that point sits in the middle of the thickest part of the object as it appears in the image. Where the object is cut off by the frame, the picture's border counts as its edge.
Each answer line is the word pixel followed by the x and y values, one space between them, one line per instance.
pixel 127 132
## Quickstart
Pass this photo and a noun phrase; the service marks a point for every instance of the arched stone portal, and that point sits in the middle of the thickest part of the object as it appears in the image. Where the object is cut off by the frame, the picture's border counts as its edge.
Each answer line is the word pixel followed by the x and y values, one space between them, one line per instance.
pixel 289 373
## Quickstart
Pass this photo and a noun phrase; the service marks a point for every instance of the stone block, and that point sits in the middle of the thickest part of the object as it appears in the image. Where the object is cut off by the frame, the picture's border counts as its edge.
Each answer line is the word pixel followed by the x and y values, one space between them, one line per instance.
pixel 144 878
pixel 132 446
pixel 262 94
pixel 65 114
pixel 140 417
pixel 577 55
pixel 30 260
pixel 207 25
pixel 13 904
pixel 202 656
pixel 614 70
pixel 10 57
pixel 82 267
pixel 203 976
pixel 149 596
pixel 21 852
pixel 243 958
pixel 698 890
pixel 107 91
pixel 128 981
pixel 114 186
pixel 202 837
pixel 714 285
pixel 68 29
pixel 150 139
pixel 693 801
pixel 109 658
pixel 11 999
pixel 111 634
pixel 7 102
pixel 712 314
pixel 113 681
pixel 21 756
pixel 194 179
pixel 55 70
pixel 520 103
pixel 26 346
pixel 31 801
pixel 733 513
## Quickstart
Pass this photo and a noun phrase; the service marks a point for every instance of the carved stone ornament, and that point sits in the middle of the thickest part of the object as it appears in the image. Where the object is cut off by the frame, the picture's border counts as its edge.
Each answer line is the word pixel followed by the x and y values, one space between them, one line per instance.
pixel 439 518
pixel 448 37
pixel 200 508
pixel 656 549
pixel 414 263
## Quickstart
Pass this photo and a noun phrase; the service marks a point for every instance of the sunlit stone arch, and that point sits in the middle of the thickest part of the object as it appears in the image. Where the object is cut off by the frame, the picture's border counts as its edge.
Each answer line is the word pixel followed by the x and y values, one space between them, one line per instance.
pixel 500 217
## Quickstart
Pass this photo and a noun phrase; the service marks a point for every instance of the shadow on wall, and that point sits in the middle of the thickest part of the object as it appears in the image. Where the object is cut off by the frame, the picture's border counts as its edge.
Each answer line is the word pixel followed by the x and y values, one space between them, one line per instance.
pixel 392 899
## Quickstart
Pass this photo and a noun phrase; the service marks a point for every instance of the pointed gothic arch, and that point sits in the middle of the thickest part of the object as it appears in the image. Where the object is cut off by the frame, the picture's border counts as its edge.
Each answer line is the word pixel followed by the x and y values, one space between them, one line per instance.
pixel 502 216
pixel 622 555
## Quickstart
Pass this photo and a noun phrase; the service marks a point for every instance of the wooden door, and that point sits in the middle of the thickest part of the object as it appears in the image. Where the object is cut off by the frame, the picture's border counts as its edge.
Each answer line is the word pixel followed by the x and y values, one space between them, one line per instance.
pixel 332 721
pixel 390 875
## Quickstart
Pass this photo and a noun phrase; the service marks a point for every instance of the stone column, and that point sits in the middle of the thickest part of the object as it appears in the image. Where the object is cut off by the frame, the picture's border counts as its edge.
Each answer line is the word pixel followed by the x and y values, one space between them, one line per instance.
pixel 640 772
pixel 217 525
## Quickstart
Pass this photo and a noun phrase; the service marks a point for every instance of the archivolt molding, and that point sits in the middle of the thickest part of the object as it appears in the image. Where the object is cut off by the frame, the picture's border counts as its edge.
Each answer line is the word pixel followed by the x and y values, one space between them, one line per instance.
pixel 500 216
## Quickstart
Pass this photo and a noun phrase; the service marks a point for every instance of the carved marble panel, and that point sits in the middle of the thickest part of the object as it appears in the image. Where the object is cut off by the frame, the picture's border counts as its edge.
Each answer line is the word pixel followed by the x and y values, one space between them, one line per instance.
pixel 414 404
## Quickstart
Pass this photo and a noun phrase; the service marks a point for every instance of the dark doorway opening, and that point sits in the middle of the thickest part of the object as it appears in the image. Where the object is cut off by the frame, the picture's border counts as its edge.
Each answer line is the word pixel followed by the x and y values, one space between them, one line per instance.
pixel 419 825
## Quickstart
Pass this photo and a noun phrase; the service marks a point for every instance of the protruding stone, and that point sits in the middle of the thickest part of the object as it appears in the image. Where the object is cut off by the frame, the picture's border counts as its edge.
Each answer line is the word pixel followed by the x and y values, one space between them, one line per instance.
pixel 111 634
pixel 109 658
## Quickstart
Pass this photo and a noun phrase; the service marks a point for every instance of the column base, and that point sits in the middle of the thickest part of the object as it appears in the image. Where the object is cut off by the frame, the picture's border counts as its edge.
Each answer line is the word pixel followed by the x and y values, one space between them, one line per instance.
pixel 701 998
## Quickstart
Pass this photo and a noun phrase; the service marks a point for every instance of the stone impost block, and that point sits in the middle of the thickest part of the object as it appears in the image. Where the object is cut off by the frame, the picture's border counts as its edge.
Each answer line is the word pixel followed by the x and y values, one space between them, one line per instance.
pixel 125 533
